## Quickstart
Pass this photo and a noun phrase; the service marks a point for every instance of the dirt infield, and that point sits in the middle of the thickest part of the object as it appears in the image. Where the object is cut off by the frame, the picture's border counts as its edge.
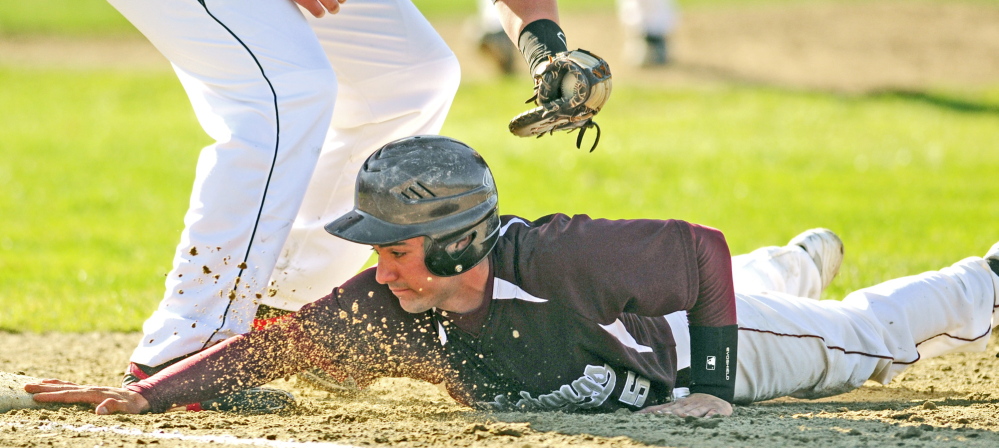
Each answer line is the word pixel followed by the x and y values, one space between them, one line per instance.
pixel 950 401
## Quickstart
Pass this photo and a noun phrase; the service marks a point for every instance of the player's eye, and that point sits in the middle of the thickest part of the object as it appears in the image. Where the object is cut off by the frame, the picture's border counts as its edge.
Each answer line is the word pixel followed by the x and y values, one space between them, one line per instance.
pixel 383 251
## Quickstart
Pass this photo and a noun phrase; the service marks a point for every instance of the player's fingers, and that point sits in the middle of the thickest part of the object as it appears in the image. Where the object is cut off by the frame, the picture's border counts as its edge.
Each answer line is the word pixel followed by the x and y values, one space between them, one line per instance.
pixel 55 381
pixel 661 409
pixel 118 406
pixel 48 386
pixel 67 396
pixel 108 406
pixel 333 6
pixel 62 386
pixel 693 411
pixel 684 409
pixel 706 411
pixel 681 411
pixel 313 6
pixel 667 408
pixel 650 410
pixel 72 394
pixel 721 407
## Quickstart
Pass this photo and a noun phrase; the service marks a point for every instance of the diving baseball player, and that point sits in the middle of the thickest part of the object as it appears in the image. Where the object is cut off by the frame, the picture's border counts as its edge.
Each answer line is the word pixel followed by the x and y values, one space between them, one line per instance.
pixel 285 95
pixel 566 313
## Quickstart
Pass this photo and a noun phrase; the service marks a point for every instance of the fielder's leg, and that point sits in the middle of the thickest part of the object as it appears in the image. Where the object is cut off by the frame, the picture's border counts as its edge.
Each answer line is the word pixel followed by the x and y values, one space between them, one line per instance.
pixel 810 349
pixel 493 41
pixel 263 89
pixel 397 78
pixel 647 25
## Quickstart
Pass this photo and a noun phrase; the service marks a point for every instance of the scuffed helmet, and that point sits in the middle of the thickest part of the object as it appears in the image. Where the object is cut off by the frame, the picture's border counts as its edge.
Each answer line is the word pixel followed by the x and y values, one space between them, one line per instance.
pixel 430 186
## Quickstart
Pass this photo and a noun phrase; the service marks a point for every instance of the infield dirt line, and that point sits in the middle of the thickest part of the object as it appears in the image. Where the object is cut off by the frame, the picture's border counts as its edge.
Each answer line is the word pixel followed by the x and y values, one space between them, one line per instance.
pixel 212 439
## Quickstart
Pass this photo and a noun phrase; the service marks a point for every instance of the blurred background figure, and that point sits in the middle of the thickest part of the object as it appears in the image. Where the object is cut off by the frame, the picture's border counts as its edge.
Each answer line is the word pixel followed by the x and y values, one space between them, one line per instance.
pixel 493 41
pixel 647 26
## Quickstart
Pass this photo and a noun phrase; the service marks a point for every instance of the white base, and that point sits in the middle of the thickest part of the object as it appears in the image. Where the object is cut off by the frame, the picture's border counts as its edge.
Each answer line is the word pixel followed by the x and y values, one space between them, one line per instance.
pixel 12 394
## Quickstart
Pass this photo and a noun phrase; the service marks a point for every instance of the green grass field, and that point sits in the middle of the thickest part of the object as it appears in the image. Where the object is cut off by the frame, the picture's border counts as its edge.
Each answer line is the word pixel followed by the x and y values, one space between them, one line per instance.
pixel 96 168
pixel 90 17
pixel 97 17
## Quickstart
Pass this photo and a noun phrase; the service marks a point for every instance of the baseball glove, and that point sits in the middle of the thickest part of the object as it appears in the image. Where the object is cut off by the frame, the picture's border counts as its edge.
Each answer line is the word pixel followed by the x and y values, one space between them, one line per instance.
pixel 568 93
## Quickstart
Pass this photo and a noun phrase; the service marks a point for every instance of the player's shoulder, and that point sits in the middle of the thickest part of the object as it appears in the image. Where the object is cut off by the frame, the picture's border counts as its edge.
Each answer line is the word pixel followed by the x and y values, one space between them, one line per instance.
pixel 516 224
pixel 365 280
pixel 547 233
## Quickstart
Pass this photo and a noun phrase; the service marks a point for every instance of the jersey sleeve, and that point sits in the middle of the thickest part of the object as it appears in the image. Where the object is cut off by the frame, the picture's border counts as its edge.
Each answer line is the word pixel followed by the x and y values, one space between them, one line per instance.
pixel 237 363
pixel 358 331
pixel 714 333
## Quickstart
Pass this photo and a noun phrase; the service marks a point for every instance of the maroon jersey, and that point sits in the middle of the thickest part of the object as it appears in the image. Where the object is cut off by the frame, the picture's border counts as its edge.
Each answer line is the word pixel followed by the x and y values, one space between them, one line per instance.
pixel 574 322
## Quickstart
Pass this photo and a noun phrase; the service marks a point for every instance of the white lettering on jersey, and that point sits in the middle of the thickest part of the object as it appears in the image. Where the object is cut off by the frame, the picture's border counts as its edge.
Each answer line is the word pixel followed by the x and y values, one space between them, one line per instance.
pixel 504 290
pixel 636 390
pixel 618 330
pixel 587 392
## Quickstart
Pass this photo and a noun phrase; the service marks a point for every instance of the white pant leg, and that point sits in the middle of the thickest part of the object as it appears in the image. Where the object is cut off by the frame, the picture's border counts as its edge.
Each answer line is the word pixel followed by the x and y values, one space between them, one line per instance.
pixel 397 78
pixel 263 89
pixel 809 349
pixel 785 269
pixel 642 17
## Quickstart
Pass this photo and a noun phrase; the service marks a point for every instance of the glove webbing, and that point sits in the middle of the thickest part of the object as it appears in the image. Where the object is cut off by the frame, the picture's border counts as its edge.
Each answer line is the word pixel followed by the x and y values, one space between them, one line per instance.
pixel 582 129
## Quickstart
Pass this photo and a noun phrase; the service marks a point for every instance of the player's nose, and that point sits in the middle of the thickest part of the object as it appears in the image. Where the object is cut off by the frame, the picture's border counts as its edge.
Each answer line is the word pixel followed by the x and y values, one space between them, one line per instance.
pixel 384 273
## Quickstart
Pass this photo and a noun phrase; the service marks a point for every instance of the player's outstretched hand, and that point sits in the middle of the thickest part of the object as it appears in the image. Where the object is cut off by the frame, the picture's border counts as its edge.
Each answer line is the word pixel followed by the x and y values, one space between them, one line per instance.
pixel 109 400
pixel 695 405
pixel 318 8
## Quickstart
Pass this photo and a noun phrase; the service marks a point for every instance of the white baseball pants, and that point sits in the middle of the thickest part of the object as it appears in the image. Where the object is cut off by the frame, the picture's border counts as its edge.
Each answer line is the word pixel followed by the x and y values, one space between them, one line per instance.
pixel 641 17
pixel 791 344
pixel 294 106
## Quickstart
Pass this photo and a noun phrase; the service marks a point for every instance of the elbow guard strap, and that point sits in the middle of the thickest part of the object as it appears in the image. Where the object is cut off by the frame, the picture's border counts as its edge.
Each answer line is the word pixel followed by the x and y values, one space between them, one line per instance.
pixel 713 356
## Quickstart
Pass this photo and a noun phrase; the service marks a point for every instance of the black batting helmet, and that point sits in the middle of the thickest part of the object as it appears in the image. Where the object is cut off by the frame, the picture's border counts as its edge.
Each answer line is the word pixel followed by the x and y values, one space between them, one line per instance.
pixel 430 186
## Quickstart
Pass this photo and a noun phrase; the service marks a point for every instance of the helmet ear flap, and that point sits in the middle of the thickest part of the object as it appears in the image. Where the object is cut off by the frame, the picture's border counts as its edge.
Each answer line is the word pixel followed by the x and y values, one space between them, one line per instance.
pixel 442 256
pixel 444 259
pixel 457 248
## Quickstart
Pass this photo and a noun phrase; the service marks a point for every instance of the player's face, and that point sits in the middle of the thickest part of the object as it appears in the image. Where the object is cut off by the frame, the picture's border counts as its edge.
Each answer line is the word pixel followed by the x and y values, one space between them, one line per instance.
pixel 401 267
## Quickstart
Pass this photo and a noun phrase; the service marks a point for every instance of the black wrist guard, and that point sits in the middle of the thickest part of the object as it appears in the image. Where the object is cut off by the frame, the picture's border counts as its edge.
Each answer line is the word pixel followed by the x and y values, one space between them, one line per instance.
pixel 713 355
pixel 539 40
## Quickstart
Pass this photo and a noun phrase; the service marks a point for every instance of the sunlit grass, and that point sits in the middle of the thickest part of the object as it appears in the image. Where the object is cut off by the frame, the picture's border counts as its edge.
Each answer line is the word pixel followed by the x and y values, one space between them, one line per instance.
pixel 96 168
pixel 97 17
